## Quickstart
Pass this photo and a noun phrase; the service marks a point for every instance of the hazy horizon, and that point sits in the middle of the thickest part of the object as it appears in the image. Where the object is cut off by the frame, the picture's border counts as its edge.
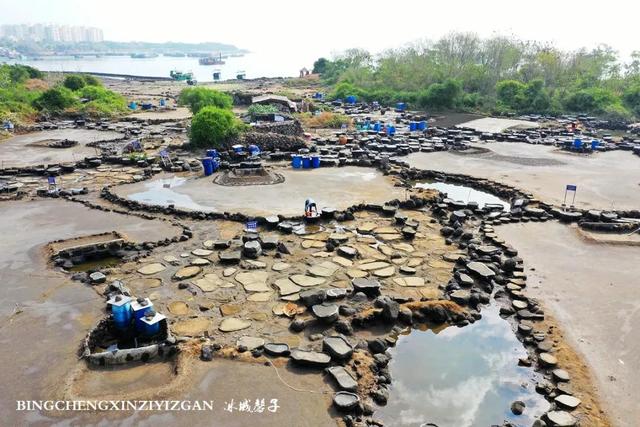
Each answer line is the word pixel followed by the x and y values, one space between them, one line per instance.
pixel 333 26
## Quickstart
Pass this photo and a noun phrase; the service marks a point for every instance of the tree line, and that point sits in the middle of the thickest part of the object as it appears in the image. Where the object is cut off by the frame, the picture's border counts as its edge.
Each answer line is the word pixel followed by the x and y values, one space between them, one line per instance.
pixel 500 75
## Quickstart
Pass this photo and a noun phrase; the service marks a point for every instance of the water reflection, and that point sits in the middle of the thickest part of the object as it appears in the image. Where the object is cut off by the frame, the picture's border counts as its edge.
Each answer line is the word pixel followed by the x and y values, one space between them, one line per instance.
pixel 461 377
pixel 160 192
pixel 464 193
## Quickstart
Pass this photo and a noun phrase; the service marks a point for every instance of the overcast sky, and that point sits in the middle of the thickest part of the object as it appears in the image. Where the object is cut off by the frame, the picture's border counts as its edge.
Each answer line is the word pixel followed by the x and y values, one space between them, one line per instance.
pixel 326 26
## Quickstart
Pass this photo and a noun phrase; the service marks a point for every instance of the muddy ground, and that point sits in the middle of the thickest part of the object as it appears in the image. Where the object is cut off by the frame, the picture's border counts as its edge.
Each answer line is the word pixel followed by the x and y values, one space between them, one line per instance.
pixel 592 290
pixel 329 187
pixel 605 180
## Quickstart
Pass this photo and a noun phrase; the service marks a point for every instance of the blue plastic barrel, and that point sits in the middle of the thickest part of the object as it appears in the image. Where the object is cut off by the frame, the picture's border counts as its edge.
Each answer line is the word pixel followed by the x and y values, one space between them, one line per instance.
pixel 213 153
pixel 351 99
pixel 254 150
pixel 296 161
pixel 133 105
pixel 594 144
pixel 315 161
pixel 413 126
pixel 162 102
pixel 376 126
pixel 401 106
pixel 306 162
pixel 215 165
pixel 121 311
pixel 577 143
pixel 391 130
pixel 207 163
pixel 422 125
pixel 140 307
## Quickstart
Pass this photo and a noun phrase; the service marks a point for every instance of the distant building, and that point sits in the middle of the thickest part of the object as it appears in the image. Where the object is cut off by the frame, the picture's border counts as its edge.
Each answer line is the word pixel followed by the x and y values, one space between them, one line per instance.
pixel 51 33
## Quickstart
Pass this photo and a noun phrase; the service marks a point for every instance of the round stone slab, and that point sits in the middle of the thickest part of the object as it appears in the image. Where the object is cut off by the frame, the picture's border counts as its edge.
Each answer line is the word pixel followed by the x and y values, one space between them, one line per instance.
pixel 191 327
pixel 250 343
pixel 355 273
pixel 187 272
pixel 152 268
pixel 280 266
pixel 376 265
pixel 147 282
pixel 287 287
pixel 254 281
pixel 385 272
pixel 306 281
pixel 568 401
pixel 260 296
pixel 179 308
pixel 409 281
pixel 345 401
pixel 233 324
pixel 561 419
pixel 201 252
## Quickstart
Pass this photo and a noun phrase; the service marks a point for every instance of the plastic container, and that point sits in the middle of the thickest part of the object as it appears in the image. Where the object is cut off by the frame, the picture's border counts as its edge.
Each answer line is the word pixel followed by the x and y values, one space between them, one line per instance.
pixel 413 126
pixel 401 106
pixel 133 105
pixel 577 143
pixel 254 150
pixel 163 102
pixel 594 144
pixel 215 165
pixel 391 130
pixel 315 161
pixel 207 163
pixel 150 323
pixel 121 311
pixel 296 161
pixel 140 307
pixel 376 126
pixel 213 153
pixel 351 99
pixel 422 125
pixel 306 162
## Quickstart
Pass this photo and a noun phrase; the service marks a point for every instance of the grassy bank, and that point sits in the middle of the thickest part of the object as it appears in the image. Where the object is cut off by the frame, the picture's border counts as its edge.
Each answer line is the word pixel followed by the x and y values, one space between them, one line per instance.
pixel 25 95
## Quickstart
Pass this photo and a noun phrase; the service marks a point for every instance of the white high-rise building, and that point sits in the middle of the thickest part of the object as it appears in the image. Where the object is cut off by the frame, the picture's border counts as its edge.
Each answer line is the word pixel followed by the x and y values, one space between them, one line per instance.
pixel 51 32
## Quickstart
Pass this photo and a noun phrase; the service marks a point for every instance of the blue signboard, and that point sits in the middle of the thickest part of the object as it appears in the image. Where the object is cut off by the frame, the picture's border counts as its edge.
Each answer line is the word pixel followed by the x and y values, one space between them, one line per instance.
pixel 252 225
pixel 51 180
pixel 571 187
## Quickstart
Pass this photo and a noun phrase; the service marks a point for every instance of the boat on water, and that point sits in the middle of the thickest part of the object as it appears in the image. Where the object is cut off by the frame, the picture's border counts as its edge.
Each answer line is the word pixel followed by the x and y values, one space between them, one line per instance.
pixel 240 75
pixel 212 60
pixel 144 55
pixel 181 76
pixel 216 74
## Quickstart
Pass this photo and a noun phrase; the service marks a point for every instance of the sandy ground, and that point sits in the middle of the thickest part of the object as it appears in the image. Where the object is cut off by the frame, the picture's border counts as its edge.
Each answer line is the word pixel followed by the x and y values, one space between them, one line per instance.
pixel 20 150
pixel 335 187
pixel 491 124
pixel 57 312
pixel 592 291
pixel 605 180
pixel 180 113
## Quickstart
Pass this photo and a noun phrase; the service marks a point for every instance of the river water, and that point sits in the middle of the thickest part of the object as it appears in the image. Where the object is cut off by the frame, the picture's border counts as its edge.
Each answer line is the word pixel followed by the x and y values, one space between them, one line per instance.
pixel 254 64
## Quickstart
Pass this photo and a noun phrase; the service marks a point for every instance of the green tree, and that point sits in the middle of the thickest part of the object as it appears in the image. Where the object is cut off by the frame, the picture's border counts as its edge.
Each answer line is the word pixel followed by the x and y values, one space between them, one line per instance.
pixel 441 95
pixel 320 66
pixel 631 98
pixel 74 82
pixel 199 97
pixel 211 127
pixel 90 80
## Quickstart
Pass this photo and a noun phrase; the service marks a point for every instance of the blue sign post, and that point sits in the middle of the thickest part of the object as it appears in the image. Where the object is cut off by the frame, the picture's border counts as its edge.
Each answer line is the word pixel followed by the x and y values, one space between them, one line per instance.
pixel 252 225
pixel 570 187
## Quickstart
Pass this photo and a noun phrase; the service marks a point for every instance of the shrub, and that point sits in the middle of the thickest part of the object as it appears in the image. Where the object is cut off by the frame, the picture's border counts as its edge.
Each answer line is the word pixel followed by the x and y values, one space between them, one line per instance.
pixel 56 99
pixel 90 80
pixel 199 97
pixel 211 127
pixel 324 120
pixel 259 109
pixel 73 82
pixel 631 98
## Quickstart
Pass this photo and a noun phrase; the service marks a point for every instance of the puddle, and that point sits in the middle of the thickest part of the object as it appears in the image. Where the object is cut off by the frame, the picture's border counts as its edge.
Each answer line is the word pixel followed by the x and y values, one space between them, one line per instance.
pixel 160 192
pixel 96 264
pixel 464 193
pixel 461 377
